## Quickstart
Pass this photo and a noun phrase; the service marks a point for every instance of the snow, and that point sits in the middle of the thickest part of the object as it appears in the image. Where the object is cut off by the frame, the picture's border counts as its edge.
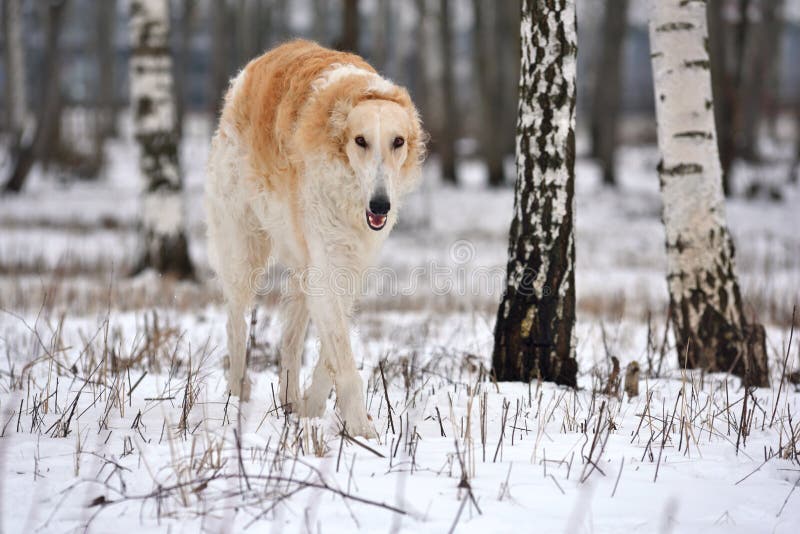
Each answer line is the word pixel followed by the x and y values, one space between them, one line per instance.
pixel 124 451
pixel 153 462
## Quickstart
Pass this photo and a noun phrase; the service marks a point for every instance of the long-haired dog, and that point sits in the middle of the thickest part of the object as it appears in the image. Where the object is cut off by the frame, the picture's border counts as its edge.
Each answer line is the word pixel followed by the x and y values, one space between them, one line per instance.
pixel 313 154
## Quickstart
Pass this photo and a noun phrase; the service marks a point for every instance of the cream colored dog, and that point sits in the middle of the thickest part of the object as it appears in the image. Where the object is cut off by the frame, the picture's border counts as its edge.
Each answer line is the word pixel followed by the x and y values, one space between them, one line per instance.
pixel 313 154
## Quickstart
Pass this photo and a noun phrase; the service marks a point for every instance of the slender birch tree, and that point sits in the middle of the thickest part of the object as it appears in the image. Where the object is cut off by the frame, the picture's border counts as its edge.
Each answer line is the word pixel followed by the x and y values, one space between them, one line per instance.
pixel 163 232
pixel 534 333
pixel 710 328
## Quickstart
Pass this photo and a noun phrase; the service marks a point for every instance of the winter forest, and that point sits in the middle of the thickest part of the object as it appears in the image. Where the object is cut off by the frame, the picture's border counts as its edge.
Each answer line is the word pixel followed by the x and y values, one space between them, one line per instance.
pixel 584 319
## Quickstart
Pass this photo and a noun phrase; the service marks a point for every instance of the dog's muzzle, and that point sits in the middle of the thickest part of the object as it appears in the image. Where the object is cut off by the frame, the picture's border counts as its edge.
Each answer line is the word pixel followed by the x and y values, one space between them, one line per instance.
pixel 377 212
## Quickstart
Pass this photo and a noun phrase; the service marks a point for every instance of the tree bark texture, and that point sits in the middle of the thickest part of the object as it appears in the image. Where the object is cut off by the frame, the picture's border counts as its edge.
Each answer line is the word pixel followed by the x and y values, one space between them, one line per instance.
pixel 705 303
pixel 163 234
pixel 534 333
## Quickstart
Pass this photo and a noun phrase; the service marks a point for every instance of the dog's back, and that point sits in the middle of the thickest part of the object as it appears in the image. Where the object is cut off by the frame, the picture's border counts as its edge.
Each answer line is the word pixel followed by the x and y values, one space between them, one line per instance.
pixel 264 102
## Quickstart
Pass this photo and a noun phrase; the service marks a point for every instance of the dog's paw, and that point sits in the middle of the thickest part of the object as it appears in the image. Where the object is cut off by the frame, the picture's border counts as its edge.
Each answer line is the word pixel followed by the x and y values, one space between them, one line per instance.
pixel 240 388
pixel 290 400
pixel 313 406
pixel 358 423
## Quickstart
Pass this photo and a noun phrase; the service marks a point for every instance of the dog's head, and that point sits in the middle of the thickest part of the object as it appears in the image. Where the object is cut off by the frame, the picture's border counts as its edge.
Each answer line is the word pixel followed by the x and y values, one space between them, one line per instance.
pixel 381 140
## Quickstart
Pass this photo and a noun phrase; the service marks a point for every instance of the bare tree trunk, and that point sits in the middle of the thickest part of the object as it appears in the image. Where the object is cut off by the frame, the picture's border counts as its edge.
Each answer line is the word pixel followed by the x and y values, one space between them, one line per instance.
pixel 705 304
pixel 380 36
pixel 49 115
pixel 265 21
pixel 447 141
pixel 248 30
pixel 280 20
pixel 760 58
pixel 507 33
pixel 349 39
pixel 794 170
pixel 106 123
pixel 607 89
pixel 221 42
pixel 163 227
pixel 723 89
pixel 534 334
pixel 182 67
pixel 487 74
pixel 727 47
pixel 15 73
pixel 320 22
pixel 422 82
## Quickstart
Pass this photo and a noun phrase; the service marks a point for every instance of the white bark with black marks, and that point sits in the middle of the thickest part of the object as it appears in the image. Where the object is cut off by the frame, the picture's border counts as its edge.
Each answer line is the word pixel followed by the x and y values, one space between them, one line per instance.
pixel 710 328
pixel 534 335
pixel 164 244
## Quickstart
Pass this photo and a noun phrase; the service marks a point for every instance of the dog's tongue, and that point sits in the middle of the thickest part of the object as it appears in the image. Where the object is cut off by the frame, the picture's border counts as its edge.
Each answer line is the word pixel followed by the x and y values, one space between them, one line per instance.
pixel 376 222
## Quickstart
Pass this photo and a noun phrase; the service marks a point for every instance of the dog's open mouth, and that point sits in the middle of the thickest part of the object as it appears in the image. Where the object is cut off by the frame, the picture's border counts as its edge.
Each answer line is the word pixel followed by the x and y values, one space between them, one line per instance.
pixel 375 221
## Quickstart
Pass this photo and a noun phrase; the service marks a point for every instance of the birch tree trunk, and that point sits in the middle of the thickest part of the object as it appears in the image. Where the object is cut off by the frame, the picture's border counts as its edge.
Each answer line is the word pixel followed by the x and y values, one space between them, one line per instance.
pixel 607 88
pixel 534 333
pixel 163 233
pixel 705 304
pixel 16 96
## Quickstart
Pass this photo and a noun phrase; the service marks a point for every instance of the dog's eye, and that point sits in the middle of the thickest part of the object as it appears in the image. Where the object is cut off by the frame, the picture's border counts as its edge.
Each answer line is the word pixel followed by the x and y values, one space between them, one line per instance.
pixel 360 141
pixel 398 142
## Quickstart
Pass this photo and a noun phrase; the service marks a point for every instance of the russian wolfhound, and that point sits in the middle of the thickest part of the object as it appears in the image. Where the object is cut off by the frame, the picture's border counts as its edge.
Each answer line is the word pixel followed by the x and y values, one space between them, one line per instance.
pixel 313 153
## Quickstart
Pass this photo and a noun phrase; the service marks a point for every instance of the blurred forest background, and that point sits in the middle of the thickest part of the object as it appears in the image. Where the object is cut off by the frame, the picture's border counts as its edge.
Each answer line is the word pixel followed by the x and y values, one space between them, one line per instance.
pixel 64 75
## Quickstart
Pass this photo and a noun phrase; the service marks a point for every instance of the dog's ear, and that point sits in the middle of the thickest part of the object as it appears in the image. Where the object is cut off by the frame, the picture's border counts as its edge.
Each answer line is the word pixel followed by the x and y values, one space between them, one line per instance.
pixel 417 141
pixel 337 122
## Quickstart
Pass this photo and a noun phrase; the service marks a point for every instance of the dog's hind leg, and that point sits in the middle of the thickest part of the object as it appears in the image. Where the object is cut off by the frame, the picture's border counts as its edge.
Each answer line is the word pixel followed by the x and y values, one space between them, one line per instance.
pixel 238 383
pixel 295 325
pixel 236 253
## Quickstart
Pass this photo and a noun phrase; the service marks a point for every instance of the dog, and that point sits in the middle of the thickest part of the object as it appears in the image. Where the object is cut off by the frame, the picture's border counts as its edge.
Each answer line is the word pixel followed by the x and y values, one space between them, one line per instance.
pixel 313 154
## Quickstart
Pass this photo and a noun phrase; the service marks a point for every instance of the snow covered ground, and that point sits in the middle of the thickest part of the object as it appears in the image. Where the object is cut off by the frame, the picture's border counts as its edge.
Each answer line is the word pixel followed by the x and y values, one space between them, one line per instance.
pixel 113 412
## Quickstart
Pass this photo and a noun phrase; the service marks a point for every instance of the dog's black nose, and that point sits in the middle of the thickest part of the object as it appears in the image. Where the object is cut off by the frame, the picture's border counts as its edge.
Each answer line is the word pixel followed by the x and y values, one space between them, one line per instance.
pixel 379 205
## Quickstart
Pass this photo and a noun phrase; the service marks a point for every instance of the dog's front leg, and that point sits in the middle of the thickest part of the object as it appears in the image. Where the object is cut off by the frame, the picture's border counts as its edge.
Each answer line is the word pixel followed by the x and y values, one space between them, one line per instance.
pixel 329 312
pixel 294 313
